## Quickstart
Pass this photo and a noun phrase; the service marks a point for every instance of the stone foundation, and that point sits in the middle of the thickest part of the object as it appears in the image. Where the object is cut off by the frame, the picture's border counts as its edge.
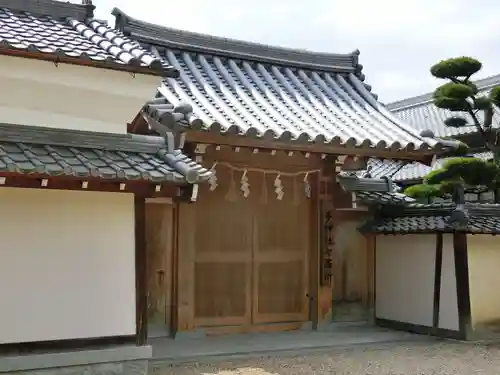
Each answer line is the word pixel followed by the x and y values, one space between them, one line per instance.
pixel 129 360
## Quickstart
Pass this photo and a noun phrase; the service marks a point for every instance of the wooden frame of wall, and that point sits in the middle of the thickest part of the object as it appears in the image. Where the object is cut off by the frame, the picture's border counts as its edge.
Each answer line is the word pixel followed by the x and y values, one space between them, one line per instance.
pixel 141 190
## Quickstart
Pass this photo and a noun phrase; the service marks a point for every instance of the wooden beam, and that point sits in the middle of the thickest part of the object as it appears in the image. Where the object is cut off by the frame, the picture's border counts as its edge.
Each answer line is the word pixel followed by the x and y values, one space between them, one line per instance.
pixel 462 283
pixel 438 266
pixel 138 125
pixel 141 304
pixel 36 181
pixel 241 141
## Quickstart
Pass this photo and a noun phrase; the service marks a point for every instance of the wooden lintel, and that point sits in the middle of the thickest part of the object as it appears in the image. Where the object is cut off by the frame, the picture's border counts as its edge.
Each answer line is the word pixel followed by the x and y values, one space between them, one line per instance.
pixel 240 141
pixel 33 181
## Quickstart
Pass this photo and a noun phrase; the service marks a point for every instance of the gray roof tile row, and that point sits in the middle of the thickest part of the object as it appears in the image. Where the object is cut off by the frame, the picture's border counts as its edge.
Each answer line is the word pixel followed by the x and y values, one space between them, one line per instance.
pixel 421 113
pixel 55 30
pixel 249 89
pixel 476 224
pixel 55 152
pixel 396 213
pixel 412 172
pixel 380 198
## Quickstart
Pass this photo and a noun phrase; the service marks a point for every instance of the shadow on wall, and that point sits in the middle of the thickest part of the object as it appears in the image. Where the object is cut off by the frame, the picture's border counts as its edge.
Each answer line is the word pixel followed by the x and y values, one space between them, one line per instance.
pixel 350 274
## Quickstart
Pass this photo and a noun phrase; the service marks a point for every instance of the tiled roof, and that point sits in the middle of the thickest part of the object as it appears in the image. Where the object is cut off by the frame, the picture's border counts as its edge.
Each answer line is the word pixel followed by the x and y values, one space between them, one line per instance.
pixel 478 218
pixel 412 172
pixel 372 191
pixel 379 197
pixel 398 213
pixel 429 224
pixel 57 152
pixel 68 32
pixel 256 90
pixel 422 114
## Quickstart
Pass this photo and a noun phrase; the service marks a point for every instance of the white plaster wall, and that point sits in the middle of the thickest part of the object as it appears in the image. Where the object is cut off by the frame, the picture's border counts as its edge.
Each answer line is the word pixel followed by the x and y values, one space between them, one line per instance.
pixel 484 279
pixel 404 285
pixel 448 305
pixel 66 265
pixel 35 92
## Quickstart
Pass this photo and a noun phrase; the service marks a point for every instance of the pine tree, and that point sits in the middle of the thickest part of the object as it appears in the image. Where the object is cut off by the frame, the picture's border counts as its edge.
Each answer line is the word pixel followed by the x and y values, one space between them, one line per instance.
pixel 470 109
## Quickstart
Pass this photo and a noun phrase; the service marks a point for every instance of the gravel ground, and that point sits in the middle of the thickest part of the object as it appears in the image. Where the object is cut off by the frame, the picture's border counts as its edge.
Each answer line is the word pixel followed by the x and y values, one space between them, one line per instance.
pixel 408 358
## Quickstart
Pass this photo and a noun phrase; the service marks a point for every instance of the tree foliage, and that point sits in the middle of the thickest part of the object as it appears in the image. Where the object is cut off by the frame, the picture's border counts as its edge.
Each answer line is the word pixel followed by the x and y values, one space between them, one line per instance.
pixel 469 109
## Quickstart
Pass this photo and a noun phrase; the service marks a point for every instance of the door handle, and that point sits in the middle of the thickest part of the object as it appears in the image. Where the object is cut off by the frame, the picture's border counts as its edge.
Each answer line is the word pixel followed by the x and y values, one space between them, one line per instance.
pixel 311 298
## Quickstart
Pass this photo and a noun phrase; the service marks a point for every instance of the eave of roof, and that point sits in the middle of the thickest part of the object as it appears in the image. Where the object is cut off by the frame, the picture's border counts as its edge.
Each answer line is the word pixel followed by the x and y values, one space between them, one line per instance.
pixel 58 152
pixel 66 32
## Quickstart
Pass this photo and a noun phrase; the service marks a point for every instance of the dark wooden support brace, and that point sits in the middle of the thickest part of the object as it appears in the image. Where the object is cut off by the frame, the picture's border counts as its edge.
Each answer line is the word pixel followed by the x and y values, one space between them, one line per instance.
pixel 462 279
pixel 140 270
pixel 438 266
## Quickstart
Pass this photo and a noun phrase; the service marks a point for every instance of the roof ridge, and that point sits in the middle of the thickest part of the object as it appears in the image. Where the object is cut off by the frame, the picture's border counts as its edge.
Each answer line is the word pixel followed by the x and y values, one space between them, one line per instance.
pixel 415 101
pixel 53 8
pixel 80 138
pixel 169 37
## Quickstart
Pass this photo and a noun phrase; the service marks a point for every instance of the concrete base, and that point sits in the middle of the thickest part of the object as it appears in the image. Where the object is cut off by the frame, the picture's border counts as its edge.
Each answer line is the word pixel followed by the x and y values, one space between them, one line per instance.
pixel 123 360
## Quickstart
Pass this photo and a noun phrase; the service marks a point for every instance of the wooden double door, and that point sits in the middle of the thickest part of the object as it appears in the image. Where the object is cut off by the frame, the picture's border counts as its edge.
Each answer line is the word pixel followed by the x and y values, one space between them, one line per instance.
pixel 250 261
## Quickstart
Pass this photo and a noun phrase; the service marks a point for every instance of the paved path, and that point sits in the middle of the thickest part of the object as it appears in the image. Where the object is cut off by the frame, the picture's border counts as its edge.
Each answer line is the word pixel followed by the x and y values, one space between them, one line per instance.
pixel 419 358
pixel 191 349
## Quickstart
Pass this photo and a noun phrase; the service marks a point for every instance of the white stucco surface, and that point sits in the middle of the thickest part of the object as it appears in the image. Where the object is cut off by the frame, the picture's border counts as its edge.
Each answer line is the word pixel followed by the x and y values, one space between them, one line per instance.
pixel 41 93
pixel 484 279
pixel 404 286
pixel 67 266
pixel 448 305
pixel 405 271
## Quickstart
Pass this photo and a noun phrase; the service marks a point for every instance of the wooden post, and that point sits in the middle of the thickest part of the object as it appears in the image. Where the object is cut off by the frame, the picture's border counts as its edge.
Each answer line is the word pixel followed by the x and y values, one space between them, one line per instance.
pixel 462 283
pixel 437 281
pixel 175 272
pixel 315 250
pixel 371 244
pixel 141 303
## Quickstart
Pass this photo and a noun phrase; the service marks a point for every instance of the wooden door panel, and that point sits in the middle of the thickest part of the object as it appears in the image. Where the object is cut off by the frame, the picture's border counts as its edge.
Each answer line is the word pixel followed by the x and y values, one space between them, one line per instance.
pixel 223 256
pixel 279 294
pixel 280 249
pixel 220 293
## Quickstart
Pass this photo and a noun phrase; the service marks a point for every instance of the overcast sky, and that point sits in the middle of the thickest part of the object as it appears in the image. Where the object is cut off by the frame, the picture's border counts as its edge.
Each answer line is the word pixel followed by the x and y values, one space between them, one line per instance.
pixel 398 40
